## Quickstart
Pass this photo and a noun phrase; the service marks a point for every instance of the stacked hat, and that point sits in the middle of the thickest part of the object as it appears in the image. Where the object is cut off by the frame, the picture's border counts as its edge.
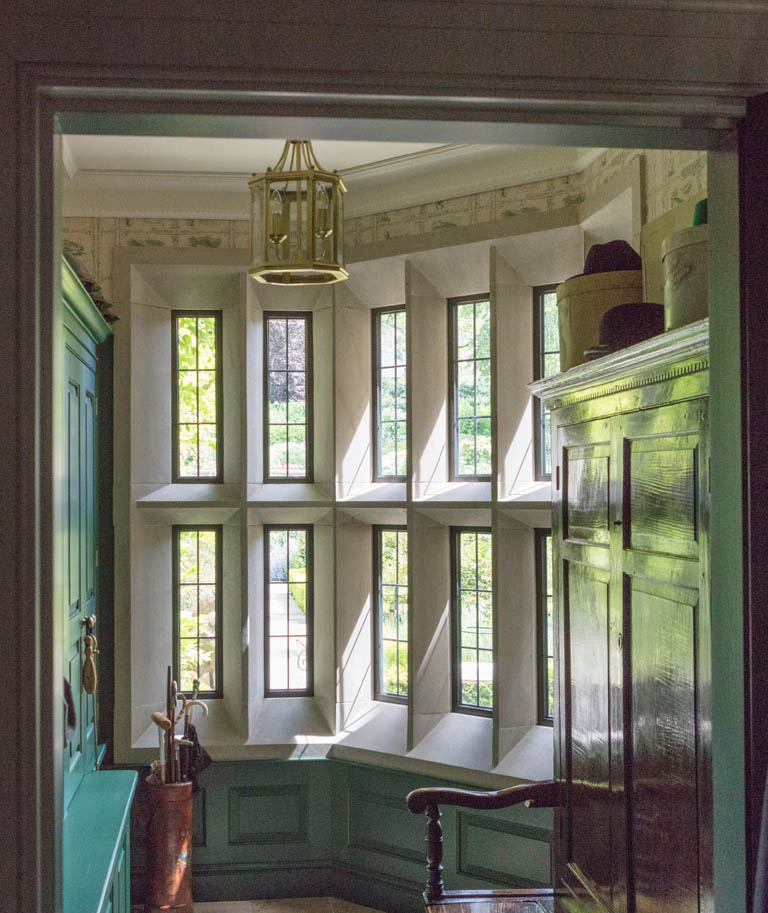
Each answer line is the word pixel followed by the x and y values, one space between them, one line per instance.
pixel 625 324
pixel 610 258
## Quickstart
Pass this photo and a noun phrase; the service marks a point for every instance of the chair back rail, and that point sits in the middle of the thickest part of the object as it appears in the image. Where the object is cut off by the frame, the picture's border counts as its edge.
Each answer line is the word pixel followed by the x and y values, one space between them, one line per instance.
pixel 427 801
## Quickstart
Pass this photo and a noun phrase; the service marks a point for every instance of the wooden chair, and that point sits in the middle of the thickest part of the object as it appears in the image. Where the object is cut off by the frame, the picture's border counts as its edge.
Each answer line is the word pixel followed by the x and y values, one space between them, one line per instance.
pixel 524 900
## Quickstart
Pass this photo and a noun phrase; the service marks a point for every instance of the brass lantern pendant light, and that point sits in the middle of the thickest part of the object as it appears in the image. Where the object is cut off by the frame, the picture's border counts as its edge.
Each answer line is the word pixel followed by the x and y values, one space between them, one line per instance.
pixel 297 215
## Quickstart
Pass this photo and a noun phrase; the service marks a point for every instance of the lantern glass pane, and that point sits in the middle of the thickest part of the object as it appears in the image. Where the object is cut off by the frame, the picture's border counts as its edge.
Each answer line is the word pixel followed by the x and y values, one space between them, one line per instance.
pixel 324 200
pixel 257 223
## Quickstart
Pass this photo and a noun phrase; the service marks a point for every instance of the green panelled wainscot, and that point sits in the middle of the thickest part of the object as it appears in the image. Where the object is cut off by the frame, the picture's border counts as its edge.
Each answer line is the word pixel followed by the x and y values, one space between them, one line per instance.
pixel 95 839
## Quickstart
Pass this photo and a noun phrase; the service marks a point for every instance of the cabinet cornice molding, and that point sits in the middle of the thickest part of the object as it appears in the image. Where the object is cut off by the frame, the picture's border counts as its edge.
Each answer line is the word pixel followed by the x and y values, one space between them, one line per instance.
pixel 666 357
pixel 80 303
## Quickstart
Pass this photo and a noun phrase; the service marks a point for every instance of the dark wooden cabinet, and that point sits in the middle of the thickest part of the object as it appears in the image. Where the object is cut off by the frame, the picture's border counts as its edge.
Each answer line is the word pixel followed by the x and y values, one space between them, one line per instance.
pixel 633 708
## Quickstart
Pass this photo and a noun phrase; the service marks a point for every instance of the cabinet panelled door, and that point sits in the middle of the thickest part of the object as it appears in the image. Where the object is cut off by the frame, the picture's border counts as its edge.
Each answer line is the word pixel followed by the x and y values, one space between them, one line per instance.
pixel 633 716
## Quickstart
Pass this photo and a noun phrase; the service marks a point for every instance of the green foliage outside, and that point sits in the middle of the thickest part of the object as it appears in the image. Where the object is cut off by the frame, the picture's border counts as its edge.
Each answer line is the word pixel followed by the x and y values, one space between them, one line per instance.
pixel 197 608
pixel 196 358
pixel 392 393
pixel 298 587
pixel 394 612
pixel 288 562
pixel 476 619
pixel 287 397
pixel 551 363
pixel 473 387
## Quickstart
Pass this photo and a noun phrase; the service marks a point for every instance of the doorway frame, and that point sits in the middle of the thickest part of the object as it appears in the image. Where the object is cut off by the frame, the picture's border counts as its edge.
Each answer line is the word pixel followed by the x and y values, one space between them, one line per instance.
pixel 46 104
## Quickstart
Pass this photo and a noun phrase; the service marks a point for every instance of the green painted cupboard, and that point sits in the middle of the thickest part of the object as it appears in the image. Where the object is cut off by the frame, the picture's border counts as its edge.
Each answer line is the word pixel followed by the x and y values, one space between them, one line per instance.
pixel 95 838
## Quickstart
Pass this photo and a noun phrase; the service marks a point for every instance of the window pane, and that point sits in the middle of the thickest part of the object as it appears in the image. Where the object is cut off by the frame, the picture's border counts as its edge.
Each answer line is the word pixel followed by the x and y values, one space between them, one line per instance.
pixel 207 671
pixel 277 353
pixel 465 331
pixel 483 329
pixel 389 668
pixel 187 396
pixel 278 554
pixel 473 612
pixel 388 612
pixel 208 442
pixel 471 373
pixel 207 610
pixel 551 364
pixel 297 397
pixel 288 609
pixel 544 594
pixel 465 388
pixel 187 664
pixel 188 557
pixel 277 394
pixel 188 451
pixel 549 323
pixel 207 554
pixel 390 394
pixel 387 340
pixel 401 449
pixel 388 390
pixel 288 383
pixel 400 393
pixel 400 338
pixel 188 611
pixel 402 669
pixel 547 364
pixel 186 336
pixel 389 448
pixel 483 446
pixel 196 419
pixel 466 447
pixel 207 396
pixel 297 451
pixel 402 557
pixel 278 450
pixel 278 664
pixel 206 343
pixel 483 387
pixel 279 609
pixel 297 344
pixel 197 630
pixel 391 547
pixel 297 669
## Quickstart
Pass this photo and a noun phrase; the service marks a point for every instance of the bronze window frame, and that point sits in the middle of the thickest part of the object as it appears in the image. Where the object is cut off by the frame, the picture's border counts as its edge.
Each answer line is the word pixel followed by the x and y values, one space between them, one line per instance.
pixel 309 691
pixel 176 529
pixel 218 322
pixel 308 476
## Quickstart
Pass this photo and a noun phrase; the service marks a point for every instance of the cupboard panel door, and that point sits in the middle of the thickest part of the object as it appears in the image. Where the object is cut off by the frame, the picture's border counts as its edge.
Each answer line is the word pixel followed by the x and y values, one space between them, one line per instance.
pixel 664 561
pixel 588 750
pixel 72 494
pixel 586 475
pixel 79 565
pixel 663 806
pixel 661 471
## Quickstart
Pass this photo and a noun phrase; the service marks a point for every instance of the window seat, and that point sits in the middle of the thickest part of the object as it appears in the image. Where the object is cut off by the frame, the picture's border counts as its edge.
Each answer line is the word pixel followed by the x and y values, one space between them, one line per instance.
pixel 96 844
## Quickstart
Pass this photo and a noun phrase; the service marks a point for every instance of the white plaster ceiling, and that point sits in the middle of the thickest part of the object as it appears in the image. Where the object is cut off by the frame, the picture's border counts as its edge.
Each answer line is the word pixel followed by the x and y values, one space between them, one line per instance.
pixel 207 176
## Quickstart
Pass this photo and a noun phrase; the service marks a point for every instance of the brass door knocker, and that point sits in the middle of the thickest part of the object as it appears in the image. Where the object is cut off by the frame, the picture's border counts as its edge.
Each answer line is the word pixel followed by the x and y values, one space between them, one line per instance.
pixel 90 677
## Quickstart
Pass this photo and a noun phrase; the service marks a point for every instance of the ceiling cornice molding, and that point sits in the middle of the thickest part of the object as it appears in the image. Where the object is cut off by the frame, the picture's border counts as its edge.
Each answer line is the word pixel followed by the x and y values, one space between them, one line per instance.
pixel 444 173
pixel 440 155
